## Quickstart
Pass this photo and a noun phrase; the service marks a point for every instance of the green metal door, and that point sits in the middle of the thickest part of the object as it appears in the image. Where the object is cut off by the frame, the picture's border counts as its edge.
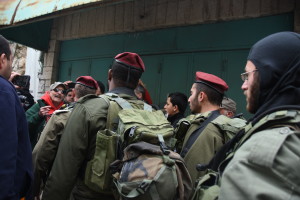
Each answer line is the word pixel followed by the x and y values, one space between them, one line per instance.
pixel 172 56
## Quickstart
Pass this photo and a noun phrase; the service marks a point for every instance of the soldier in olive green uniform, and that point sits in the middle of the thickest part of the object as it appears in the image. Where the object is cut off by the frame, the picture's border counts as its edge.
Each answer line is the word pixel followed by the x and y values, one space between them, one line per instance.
pixel 77 145
pixel 203 139
pixel 45 150
pixel 266 164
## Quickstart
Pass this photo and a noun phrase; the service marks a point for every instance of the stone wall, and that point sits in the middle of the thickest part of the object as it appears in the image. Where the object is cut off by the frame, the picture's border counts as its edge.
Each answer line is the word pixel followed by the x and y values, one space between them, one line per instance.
pixel 19 53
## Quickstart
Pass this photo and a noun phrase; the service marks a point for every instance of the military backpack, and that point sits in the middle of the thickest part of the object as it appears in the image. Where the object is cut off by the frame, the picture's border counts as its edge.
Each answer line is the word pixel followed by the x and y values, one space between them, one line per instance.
pixel 126 123
pixel 151 172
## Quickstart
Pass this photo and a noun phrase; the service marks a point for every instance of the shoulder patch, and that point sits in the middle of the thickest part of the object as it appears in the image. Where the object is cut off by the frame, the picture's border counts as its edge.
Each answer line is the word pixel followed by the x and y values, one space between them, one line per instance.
pixel 60 111
pixel 266 145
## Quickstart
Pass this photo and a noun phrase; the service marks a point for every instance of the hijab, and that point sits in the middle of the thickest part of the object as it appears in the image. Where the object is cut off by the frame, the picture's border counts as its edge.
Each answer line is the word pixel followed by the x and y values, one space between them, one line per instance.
pixel 277 58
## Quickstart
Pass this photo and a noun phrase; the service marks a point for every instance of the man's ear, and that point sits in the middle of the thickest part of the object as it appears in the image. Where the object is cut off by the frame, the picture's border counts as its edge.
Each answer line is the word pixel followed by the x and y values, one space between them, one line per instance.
pixel 201 96
pixel 2 57
pixel 109 75
pixel 176 108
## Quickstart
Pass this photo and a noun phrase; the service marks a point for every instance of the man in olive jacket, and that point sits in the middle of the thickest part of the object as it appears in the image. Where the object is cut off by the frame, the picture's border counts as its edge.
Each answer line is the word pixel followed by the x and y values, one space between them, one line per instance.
pixel 203 139
pixel 77 145
pixel 45 150
pixel 265 164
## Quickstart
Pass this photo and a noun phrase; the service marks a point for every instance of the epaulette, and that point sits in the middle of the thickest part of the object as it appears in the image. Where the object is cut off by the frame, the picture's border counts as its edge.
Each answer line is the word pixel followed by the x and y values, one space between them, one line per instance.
pixel 61 111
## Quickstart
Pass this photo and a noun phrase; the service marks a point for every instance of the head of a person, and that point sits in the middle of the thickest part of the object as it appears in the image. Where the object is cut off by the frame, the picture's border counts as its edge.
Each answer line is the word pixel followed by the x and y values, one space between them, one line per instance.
pixel 126 70
pixel 176 103
pixel 228 107
pixel 208 89
pixel 5 58
pixel 69 96
pixel 100 89
pixel 85 85
pixel 139 92
pixel 57 92
pixel 271 77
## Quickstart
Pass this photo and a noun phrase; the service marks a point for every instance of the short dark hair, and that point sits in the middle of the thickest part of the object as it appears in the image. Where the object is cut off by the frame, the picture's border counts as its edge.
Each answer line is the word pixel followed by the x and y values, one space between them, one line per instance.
pixel 101 86
pixel 83 90
pixel 68 90
pixel 179 99
pixel 213 96
pixel 120 73
pixel 4 47
pixel 140 89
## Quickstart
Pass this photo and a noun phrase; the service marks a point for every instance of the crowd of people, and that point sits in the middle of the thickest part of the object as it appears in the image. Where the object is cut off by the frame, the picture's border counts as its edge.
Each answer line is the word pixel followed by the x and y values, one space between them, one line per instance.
pixel 48 146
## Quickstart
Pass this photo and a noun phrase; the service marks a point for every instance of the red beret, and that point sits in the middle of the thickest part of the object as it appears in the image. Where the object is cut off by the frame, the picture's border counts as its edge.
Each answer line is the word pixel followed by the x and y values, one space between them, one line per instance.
pixel 87 81
pixel 131 60
pixel 212 81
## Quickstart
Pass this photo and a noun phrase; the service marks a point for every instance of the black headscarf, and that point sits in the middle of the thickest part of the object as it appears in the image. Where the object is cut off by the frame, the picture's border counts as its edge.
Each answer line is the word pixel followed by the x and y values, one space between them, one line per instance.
pixel 277 58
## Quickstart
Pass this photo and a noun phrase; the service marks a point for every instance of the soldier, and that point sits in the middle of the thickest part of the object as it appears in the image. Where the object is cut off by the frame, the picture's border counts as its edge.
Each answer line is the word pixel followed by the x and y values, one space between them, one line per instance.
pixel 203 139
pixel 78 144
pixel 228 107
pixel 266 163
pixel 45 151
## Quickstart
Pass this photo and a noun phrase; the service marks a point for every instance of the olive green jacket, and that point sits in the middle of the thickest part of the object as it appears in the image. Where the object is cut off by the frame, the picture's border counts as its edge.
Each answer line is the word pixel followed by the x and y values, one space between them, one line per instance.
pixel 267 165
pixel 77 147
pixel 44 152
pixel 204 148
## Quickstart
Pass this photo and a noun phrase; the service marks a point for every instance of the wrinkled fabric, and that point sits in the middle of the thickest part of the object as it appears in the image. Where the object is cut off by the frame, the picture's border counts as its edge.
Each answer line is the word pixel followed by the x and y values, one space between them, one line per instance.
pixel 277 58
pixel 15 152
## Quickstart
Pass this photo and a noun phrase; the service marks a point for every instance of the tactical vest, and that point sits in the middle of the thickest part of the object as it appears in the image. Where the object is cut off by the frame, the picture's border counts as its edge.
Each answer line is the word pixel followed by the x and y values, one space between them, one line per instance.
pixel 208 186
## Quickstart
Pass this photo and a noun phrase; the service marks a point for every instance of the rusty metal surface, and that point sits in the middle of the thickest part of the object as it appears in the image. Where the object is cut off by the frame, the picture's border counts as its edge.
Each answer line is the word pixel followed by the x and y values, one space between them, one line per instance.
pixel 29 9
pixel 7 9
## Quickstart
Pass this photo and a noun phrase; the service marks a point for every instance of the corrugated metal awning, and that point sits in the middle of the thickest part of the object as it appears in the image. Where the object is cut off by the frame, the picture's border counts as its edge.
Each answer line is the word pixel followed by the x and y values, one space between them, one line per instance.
pixel 14 11
pixel 29 22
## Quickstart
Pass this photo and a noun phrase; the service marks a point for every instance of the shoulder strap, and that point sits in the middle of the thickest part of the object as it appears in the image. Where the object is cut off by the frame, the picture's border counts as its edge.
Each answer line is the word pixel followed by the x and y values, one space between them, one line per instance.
pixel 278 118
pixel 125 104
pixel 122 102
pixel 213 115
pixel 147 107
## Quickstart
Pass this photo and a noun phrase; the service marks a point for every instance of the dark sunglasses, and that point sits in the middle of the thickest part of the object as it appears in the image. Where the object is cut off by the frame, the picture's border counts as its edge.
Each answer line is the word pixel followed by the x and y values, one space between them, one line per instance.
pixel 59 90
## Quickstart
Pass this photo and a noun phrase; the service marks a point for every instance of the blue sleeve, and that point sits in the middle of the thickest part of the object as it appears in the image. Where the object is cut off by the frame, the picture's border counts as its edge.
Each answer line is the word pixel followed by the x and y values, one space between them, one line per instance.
pixel 9 145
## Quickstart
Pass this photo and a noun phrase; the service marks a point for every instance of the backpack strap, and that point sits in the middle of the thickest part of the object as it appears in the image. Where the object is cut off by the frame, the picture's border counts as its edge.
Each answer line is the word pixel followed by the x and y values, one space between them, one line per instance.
pixel 122 102
pixel 147 107
pixel 276 119
pixel 193 137
pixel 125 104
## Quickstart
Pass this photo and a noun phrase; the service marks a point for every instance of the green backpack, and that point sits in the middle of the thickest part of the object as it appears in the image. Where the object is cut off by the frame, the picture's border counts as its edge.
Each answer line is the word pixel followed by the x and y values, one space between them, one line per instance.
pixel 227 126
pixel 127 122
pixel 150 172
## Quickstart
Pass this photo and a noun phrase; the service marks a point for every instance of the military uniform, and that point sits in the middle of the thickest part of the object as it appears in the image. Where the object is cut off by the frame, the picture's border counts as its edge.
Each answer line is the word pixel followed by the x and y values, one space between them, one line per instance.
pixel 205 146
pixel 45 150
pixel 77 147
pixel 267 165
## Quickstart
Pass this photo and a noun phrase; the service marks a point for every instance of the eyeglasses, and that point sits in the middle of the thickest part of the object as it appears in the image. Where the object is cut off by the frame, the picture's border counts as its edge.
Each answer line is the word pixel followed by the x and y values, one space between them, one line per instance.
pixel 244 76
pixel 59 90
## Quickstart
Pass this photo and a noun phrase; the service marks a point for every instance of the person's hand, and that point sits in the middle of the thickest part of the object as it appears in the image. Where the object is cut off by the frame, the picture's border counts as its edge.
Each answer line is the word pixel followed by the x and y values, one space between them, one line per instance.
pixel 44 111
pixel 12 76
pixel 67 83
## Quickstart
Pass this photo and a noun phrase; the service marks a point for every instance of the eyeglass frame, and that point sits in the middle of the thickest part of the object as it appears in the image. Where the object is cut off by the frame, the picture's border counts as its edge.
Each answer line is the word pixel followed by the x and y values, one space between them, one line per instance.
pixel 245 75
pixel 59 90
